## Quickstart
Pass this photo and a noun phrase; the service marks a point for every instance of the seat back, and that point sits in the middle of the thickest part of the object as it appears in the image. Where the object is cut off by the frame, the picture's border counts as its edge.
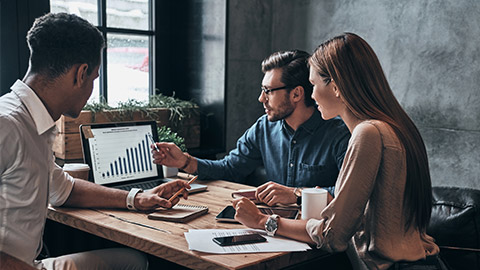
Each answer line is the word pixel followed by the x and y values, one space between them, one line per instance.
pixel 455 225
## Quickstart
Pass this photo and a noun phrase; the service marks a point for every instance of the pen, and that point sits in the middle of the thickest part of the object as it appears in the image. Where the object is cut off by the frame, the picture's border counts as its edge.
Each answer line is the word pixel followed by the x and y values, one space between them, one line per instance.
pixel 182 189
pixel 153 141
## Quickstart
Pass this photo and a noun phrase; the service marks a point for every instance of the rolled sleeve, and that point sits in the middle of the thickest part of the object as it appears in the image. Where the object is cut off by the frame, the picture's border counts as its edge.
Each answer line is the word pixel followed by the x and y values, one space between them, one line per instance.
pixel 324 236
pixel 314 229
pixel 61 185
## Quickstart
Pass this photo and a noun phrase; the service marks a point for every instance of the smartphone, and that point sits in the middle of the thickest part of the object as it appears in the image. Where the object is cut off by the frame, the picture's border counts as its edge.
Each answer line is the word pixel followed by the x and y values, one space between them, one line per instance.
pixel 228 213
pixel 239 239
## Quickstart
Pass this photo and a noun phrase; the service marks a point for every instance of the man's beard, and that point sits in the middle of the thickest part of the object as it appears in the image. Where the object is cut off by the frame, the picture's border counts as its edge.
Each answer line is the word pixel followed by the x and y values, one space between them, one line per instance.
pixel 283 111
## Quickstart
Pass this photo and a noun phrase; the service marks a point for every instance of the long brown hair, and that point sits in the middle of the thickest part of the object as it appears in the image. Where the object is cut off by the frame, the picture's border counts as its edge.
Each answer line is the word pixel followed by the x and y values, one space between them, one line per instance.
pixel 350 62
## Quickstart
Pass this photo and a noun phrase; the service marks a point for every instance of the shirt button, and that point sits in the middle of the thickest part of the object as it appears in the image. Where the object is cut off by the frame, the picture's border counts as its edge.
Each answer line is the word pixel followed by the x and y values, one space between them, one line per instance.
pixel 291 164
pixel 294 141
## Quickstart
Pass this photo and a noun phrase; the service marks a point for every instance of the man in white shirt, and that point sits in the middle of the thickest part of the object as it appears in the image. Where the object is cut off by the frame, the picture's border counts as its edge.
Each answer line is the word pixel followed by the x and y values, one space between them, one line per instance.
pixel 64 62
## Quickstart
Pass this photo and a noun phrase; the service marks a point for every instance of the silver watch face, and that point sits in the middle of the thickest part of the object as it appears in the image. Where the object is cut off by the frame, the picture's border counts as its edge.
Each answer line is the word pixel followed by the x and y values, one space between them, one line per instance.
pixel 271 225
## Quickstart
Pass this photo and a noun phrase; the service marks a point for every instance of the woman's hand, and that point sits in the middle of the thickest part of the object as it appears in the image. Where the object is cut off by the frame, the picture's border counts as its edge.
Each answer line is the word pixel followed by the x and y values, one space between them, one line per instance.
pixel 248 214
pixel 159 195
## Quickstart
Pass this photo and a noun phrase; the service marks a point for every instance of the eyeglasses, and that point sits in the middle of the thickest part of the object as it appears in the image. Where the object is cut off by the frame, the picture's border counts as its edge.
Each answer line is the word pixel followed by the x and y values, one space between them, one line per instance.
pixel 268 91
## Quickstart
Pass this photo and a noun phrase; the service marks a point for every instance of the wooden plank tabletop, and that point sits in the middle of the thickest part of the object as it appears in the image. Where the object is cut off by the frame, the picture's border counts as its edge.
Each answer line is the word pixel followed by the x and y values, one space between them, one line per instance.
pixel 166 239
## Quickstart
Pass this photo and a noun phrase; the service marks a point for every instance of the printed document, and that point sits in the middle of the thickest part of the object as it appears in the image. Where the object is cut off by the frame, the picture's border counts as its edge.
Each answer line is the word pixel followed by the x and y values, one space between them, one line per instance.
pixel 201 240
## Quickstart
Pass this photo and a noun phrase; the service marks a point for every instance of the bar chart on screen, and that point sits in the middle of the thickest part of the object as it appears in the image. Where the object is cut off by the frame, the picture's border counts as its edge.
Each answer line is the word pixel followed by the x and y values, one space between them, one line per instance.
pixel 121 153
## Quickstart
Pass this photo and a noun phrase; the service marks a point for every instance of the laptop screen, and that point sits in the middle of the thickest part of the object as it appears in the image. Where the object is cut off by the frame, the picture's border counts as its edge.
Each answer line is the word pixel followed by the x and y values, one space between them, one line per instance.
pixel 118 153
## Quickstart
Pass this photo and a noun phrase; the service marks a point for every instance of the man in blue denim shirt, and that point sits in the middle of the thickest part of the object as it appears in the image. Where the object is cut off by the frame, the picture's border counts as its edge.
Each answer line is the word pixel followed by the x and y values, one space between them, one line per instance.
pixel 292 141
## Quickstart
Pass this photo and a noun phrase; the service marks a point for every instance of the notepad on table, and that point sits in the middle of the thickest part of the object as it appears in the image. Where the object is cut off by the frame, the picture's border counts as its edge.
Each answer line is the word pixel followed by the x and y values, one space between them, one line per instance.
pixel 179 213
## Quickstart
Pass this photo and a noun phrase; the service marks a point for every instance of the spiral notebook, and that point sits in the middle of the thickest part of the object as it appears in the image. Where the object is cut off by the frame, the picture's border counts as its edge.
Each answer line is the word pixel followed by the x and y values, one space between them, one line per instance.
pixel 179 213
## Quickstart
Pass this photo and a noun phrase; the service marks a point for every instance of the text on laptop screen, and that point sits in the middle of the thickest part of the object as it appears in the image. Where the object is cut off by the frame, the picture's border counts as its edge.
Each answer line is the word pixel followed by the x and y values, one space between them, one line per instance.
pixel 121 154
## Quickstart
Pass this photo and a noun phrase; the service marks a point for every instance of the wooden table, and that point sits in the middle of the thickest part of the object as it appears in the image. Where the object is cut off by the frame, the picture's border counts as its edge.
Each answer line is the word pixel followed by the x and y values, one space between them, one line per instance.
pixel 166 239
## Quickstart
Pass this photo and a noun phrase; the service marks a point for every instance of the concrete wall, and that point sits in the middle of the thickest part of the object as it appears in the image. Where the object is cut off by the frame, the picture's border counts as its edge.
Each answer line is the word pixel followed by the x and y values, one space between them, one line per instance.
pixel 429 51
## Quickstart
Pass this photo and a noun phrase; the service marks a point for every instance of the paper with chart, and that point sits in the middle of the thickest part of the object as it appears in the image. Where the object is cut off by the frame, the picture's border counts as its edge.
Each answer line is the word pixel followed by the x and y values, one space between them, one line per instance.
pixel 201 240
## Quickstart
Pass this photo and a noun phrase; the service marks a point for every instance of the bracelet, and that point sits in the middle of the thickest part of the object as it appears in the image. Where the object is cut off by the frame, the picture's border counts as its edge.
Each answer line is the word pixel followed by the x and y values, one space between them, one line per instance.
pixel 131 198
pixel 187 162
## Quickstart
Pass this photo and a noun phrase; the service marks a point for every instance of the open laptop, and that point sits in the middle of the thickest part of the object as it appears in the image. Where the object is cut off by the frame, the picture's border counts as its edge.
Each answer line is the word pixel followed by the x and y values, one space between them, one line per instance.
pixel 119 155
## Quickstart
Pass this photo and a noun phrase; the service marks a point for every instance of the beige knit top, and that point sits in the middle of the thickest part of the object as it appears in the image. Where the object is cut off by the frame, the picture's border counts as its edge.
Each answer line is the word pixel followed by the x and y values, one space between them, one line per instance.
pixel 367 210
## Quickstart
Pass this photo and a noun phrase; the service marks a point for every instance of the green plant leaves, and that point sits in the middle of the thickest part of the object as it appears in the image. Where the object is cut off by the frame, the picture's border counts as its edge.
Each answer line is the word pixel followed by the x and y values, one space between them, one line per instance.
pixel 165 134
pixel 179 109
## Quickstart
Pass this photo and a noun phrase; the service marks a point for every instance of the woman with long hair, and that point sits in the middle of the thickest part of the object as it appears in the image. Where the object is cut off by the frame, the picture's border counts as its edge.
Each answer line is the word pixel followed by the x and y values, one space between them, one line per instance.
pixel 383 196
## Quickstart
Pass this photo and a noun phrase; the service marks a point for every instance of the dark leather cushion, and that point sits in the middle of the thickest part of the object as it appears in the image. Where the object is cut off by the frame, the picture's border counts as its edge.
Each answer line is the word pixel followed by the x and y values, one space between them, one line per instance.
pixel 455 222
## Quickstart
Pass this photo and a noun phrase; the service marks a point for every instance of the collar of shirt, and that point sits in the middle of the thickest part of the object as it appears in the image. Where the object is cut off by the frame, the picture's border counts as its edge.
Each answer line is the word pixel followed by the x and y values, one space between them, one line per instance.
pixel 310 125
pixel 42 119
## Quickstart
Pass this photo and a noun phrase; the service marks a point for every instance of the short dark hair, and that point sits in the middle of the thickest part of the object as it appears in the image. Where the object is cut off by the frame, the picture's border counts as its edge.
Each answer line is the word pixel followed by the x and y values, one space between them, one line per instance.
pixel 59 41
pixel 295 72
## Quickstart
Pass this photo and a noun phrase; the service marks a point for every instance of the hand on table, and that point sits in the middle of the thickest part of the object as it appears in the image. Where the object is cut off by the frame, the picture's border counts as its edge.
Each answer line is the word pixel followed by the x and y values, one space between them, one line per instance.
pixel 272 193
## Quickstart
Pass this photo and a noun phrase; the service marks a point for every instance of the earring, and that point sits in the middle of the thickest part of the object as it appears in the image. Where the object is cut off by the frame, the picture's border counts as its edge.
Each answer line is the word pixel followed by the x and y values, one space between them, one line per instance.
pixel 337 94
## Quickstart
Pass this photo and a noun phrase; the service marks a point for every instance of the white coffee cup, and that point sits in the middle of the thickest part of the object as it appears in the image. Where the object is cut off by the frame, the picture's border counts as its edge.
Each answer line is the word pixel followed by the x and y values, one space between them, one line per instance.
pixel 313 202
pixel 169 171
pixel 77 170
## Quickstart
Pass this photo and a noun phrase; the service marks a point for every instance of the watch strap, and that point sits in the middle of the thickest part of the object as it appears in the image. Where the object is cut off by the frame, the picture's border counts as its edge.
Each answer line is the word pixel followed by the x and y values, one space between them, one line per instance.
pixel 131 198
pixel 298 193
pixel 299 200
pixel 272 219
pixel 187 162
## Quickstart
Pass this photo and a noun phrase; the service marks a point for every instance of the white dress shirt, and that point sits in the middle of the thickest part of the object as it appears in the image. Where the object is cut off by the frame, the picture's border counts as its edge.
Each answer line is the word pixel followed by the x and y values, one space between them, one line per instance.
pixel 29 177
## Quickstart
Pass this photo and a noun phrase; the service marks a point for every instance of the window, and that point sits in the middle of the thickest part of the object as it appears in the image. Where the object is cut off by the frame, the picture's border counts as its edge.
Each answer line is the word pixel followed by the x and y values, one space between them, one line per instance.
pixel 127 26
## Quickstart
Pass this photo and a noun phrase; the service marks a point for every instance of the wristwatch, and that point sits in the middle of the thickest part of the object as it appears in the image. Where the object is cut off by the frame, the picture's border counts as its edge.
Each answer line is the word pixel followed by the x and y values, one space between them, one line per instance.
pixel 131 198
pixel 271 225
pixel 298 193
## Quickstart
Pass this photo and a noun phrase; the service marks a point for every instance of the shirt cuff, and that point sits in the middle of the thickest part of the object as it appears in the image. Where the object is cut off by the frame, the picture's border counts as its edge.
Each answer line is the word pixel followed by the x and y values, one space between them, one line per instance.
pixel 314 228
pixel 61 185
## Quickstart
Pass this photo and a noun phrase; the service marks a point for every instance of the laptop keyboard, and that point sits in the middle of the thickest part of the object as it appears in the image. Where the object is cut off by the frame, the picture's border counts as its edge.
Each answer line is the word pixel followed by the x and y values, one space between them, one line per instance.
pixel 144 185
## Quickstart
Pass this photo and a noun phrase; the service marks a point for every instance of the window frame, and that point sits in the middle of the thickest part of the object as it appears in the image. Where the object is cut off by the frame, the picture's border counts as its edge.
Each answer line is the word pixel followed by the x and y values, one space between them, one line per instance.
pixel 150 34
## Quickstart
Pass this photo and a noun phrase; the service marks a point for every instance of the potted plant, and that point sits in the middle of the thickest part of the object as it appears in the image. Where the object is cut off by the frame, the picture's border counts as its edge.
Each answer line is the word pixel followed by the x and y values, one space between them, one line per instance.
pixel 165 134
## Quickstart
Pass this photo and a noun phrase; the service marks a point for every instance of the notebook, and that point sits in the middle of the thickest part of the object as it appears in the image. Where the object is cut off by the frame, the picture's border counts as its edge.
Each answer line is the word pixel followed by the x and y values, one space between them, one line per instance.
pixel 179 213
pixel 119 155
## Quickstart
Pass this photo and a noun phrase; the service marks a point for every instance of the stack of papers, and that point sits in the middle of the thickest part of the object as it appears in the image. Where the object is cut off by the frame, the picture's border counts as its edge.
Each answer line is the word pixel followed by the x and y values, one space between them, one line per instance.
pixel 201 240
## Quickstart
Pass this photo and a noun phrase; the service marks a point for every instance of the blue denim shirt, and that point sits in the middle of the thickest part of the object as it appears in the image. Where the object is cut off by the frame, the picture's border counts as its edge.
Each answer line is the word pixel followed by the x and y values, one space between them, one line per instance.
pixel 310 156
